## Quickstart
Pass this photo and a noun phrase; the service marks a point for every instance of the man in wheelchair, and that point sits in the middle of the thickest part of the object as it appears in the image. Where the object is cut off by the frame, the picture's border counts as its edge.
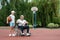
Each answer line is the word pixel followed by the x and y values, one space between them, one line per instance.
pixel 22 25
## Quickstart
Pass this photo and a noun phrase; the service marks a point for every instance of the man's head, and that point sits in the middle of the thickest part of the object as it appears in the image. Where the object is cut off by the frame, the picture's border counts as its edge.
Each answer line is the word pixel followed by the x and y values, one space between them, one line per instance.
pixel 12 12
pixel 22 17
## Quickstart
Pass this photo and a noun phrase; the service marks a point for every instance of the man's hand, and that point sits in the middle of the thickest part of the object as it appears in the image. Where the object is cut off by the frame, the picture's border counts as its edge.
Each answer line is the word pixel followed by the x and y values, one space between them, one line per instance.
pixel 26 22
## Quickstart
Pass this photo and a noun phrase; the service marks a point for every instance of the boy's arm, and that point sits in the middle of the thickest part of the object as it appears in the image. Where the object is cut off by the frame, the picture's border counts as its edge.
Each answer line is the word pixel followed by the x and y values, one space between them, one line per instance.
pixel 7 20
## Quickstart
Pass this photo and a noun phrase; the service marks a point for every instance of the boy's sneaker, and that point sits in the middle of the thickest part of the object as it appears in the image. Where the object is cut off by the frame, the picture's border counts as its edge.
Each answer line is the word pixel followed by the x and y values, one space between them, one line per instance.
pixel 10 35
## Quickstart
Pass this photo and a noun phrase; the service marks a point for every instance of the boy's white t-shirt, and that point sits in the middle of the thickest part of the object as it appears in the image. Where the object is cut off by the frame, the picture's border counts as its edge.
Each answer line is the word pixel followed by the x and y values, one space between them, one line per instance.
pixel 21 22
pixel 13 18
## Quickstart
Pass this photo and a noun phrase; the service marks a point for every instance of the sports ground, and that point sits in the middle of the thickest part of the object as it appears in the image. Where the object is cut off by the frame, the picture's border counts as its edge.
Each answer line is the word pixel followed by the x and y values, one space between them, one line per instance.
pixel 36 34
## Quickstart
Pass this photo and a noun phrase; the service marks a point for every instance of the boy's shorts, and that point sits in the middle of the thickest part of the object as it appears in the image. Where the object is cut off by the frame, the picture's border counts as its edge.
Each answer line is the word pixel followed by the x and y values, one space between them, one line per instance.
pixel 12 24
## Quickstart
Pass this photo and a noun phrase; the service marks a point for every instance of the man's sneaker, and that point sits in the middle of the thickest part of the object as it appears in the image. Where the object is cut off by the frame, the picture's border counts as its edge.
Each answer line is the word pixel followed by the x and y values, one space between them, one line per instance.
pixel 13 34
pixel 28 34
pixel 22 34
pixel 10 35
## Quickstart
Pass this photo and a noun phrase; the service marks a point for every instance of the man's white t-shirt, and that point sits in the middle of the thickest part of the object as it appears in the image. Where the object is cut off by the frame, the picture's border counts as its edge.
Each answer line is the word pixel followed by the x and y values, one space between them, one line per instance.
pixel 21 22
pixel 13 18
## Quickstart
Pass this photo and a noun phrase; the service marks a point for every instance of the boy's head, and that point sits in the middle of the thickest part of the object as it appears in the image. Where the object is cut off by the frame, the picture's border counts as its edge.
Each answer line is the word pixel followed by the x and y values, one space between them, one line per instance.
pixel 12 12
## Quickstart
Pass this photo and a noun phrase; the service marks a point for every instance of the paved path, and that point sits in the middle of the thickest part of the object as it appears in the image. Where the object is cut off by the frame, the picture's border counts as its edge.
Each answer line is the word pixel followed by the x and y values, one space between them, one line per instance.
pixel 37 34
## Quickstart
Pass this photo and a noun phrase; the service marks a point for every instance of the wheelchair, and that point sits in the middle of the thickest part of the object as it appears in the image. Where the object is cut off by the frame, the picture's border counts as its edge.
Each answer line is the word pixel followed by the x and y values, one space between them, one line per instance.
pixel 19 32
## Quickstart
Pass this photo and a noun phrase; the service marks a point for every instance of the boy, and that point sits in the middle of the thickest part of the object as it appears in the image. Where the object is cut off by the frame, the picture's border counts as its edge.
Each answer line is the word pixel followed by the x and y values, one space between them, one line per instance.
pixel 12 23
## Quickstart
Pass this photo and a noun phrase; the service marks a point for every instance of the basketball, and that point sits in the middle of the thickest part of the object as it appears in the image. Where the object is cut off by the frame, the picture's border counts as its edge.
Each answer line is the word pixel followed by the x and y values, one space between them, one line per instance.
pixel 9 19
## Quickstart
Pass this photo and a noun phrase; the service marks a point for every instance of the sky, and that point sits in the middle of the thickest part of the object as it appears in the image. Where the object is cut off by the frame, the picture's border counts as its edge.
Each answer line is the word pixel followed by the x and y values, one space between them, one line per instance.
pixel 0 4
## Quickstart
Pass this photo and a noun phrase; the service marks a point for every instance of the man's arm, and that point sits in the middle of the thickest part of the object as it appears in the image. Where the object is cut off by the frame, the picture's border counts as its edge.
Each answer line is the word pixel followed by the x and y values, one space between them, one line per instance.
pixel 26 22
pixel 17 21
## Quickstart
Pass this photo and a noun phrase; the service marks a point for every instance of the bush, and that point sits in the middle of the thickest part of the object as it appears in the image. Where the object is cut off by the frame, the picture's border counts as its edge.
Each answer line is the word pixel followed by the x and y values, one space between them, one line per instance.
pixel 31 26
pixel 52 25
pixel 56 25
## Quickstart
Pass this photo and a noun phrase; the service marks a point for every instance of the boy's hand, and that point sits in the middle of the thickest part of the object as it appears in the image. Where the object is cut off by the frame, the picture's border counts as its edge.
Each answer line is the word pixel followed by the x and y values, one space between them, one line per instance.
pixel 7 22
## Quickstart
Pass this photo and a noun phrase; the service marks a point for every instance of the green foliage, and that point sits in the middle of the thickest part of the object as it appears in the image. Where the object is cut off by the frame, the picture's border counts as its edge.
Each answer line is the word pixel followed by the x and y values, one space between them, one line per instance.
pixel 56 20
pixel 47 10
pixel 56 25
pixel 31 26
pixel 52 25
pixel 45 14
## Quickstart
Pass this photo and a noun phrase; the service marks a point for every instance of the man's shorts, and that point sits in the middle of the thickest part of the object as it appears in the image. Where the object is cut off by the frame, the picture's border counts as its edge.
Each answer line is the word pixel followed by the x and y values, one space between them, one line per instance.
pixel 23 27
pixel 12 24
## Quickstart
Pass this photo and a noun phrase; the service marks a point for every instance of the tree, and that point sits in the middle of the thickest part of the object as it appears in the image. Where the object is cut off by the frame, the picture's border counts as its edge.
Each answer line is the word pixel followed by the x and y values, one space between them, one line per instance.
pixel 45 14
